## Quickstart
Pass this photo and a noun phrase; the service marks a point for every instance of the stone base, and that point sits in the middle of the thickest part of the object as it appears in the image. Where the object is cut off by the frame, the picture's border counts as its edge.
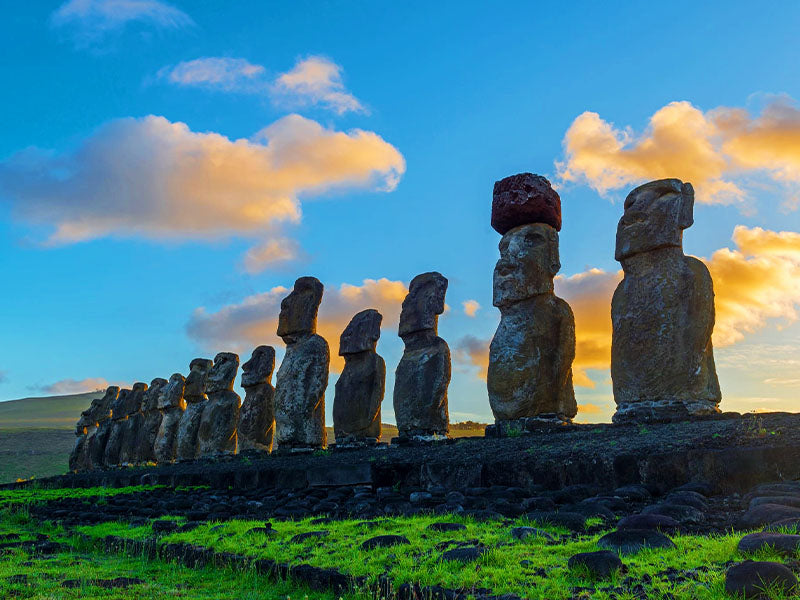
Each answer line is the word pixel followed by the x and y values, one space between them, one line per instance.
pixel 356 444
pixel 526 425
pixel 291 450
pixel 406 438
pixel 663 411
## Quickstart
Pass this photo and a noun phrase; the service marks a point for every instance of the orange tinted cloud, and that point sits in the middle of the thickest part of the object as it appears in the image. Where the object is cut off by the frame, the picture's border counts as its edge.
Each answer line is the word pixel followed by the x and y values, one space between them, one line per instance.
pixel 253 321
pixel 471 307
pixel 712 149
pixel 316 80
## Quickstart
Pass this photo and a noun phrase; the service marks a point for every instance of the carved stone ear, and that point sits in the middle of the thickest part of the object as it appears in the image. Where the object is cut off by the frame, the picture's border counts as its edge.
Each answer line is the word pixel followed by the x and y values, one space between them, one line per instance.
pixel 686 212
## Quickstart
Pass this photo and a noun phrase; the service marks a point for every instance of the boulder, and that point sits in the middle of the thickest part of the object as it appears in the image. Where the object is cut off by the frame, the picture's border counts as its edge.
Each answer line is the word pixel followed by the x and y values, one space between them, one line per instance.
pixel 464 555
pixel 423 374
pixel 303 374
pixel 683 513
pixel 752 579
pixel 649 521
pixel 257 416
pixel 384 541
pixel 360 387
pixel 783 543
pixel 631 541
pixel 186 443
pixel 765 514
pixel 531 353
pixel 662 312
pixel 600 564
pixel 171 405
pixel 522 199
pixel 216 435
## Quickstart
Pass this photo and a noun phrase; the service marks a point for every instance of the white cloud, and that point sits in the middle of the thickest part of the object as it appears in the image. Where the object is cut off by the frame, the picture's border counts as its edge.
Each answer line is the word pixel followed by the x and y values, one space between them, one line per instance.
pixel 156 179
pixel 226 74
pixel 470 307
pixel 316 80
pixel 91 20
pixel 71 386
pixel 714 150
pixel 271 253
pixel 254 320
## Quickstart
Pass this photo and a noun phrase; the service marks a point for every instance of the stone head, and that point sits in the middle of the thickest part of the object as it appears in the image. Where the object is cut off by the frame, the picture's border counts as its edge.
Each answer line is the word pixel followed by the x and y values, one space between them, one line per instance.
pixel 135 399
pixel 522 199
pixel 172 394
pixel 423 304
pixel 362 333
pixel 152 394
pixel 299 309
pixel 223 373
pixel 194 390
pixel 528 262
pixel 105 403
pixel 119 406
pixel 259 368
pixel 655 216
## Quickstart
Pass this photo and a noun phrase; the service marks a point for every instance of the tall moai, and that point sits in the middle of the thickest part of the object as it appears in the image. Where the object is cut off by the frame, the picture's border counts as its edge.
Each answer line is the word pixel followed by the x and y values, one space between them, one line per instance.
pixel 531 353
pixel 132 425
pixel 217 433
pixel 423 374
pixel 120 408
pixel 662 312
pixel 144 444
pixel 256 427
pixel 360 387
pixel 194 394
pixel 171 405
pixel 84 430
pixel 98 439
pixel 303 374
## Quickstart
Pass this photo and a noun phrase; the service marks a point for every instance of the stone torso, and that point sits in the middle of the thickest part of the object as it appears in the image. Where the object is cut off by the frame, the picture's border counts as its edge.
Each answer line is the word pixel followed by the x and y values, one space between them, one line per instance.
pixel 257 418
pixel 217 431
pixel 359 393
pixel 662 359
pixel 165 444
pixel 530 360
pixel 300 393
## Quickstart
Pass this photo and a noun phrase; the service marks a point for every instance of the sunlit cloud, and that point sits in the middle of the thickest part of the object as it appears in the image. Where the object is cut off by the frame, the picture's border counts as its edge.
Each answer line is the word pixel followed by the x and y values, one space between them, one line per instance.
pixel 714 150
pixel 271 253
pixel 473 351
pixel 254 320
pixel 316 80
pixel 471 307
pixel 587 408
pixel 91 20
pixel 220 73
pixel 65 387
pixel 787 382
pixel 151 178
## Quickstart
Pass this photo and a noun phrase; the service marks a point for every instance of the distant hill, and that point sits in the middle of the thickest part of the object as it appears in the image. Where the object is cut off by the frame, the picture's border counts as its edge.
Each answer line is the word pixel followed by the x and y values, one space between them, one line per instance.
pixel 52 412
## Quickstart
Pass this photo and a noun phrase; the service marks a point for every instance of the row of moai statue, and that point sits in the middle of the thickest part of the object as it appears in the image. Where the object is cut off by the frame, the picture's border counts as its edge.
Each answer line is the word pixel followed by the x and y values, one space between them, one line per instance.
pixel 662 363
pixel 201 416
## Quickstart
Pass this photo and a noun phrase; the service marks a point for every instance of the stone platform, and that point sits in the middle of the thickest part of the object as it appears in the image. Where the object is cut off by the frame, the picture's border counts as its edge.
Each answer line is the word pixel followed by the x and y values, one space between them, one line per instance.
pixel 730 452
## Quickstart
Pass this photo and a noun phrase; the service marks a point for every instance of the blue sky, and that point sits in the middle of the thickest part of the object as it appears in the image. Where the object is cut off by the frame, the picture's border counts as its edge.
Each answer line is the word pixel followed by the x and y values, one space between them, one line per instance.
pixel 415 110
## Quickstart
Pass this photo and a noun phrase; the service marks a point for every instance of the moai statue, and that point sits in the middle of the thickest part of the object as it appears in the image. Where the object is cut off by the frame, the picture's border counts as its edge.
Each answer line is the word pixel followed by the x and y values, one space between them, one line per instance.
pixel 98 439
pixel 194 394
pixel 120 408
pixel 423 375
pixel 171 405
pixel 257 416
pixel 79 457
pixel 360 387
pixel 303 375
pixel 133 424
pixel 662 313
pixel 217 433
pixel 530 358
pixel 144 445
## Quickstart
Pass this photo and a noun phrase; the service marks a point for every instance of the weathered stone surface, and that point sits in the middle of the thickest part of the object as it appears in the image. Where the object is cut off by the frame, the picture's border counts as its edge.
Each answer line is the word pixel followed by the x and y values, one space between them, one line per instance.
pixel 423 374
pixel 186 444
pixel 531 354
pixel 662 312
pixel 217 432
pixel 782 543
pixel 115 428
pixel 522 199
pixel 303 374
pixel 753 579
pixel 631 541
pixel 86 428
pixel 171 405
pixel 133 424
pixel 299 309
pixel 144 449
pixel 600 564
pixel 97 439
pixel 257 416
pixel 360 387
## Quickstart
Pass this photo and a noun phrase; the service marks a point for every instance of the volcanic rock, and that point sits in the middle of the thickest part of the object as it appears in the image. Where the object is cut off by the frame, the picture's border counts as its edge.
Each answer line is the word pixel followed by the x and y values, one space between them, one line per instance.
pixel 133 424
pixel 599 564
pixel 144 446
pixel 217 432
pixel 751 579
pixel 171 405
pixel 523 199
pixel 631 541
pixel 257 416
pixel 782 543
pixel 186 443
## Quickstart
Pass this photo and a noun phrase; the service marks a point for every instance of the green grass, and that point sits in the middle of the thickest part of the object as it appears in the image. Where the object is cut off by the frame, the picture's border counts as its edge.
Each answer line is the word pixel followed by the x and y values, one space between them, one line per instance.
pixel 50 412
pixel 35 494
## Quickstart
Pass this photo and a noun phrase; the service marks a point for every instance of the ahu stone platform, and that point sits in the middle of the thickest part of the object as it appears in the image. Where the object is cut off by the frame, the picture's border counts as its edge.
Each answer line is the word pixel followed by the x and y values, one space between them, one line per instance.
pixel 731 452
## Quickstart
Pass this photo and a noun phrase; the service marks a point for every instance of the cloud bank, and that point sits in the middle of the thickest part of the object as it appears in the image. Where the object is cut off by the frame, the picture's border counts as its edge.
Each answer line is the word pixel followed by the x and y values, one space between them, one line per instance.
pixel 64 387
pixel 714 150
pixel 254 320
pixel 156 179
